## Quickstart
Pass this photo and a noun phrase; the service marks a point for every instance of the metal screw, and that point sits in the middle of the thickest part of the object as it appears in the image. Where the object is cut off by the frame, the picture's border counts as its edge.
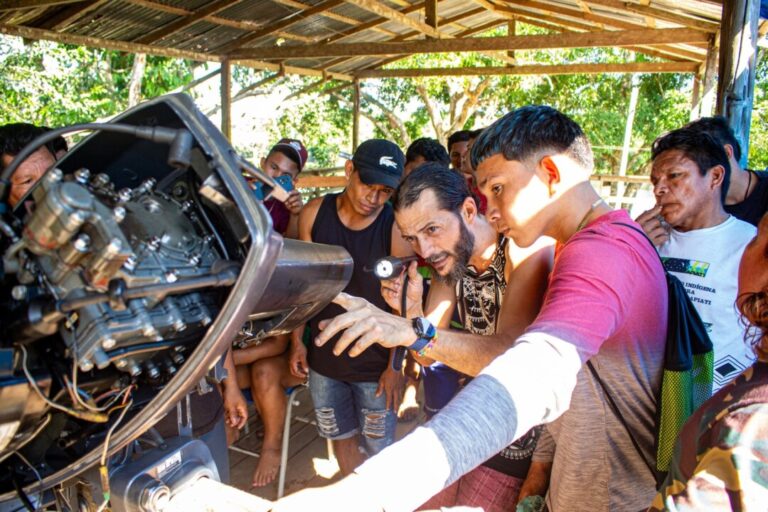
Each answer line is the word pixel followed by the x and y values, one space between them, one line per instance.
pixel 124 195
pixel 83 175
pixel 109 343
pixel 119 214
pixel 121 363
pixel 19 292
pixel 82 242
pixel 86 365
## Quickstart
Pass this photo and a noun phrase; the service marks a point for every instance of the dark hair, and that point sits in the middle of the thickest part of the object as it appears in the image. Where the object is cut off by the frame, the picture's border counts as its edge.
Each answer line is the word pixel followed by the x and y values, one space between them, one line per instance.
pixel 697 146
pixel 717 127
pixel 450 187
pixel 15 136
pixel 459 136
pixel 473 134
pixel 527 131
pixel 430 149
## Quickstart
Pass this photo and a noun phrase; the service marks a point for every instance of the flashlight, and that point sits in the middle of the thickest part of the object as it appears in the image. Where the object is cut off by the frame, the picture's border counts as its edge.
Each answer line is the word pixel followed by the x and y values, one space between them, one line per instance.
pixel 389 267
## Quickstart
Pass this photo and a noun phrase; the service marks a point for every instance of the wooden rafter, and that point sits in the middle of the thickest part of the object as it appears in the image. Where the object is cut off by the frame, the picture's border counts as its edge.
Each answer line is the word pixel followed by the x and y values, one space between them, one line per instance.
pixel 130 47
pixel 561 69
pixel 453 20
pixel 334 16
pixel 482 44
pixel 11 5
pixel 548 11
pixel 382 10
pixel 190 19
pixel 659 14
pixel 279 25
pixel 218 20
pixel 71 14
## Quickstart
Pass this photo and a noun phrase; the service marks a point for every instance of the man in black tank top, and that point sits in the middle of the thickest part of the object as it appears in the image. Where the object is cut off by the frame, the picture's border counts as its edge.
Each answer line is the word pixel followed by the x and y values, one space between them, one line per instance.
pixel 355 398
pixel 496 286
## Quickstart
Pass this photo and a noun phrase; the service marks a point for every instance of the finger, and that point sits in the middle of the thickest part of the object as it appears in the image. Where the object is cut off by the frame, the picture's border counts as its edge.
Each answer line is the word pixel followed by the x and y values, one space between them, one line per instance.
pixel 352 333
pixel 413 271
pixel 389 398
pixel 329 328
pixel 379 389
pixel 648 214
pixel 365 341
pixel 349 302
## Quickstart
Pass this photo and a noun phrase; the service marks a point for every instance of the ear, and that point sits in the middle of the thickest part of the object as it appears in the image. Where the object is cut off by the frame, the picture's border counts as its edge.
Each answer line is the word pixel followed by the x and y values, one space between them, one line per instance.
pixel 469 210
pixel 716 176
pixel 552 172
pixel 728 150
pixel 349 168
pixel 263 164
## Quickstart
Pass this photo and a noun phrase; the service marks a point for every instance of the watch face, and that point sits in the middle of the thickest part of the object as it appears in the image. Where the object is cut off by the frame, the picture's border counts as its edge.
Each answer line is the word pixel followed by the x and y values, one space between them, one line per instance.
pixel 420 325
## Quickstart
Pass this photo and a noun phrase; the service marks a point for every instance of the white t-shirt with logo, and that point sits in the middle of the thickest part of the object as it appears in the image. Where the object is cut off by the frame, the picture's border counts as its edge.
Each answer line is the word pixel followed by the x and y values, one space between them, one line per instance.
pixel 707 262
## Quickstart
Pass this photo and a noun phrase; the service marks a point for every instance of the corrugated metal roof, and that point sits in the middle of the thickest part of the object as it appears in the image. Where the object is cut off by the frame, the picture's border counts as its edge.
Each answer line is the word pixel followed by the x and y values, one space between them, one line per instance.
pixel 284 23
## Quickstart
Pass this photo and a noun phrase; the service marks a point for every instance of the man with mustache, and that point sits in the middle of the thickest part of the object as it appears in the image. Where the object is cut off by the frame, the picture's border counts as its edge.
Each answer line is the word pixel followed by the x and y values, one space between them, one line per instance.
pixel 606 302
pixel 476 269
pixel 690 179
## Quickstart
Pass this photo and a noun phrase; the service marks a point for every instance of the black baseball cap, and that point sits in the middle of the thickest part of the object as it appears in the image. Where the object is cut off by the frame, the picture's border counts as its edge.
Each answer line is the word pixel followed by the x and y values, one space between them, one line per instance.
pixel 379 162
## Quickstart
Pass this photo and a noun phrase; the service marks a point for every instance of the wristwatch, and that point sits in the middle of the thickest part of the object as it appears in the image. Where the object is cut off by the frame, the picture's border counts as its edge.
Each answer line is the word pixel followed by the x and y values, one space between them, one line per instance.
pixel 424 330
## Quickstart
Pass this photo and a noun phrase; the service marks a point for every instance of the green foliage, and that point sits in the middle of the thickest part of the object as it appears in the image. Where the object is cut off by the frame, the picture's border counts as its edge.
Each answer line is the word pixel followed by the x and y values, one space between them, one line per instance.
pixel 53 84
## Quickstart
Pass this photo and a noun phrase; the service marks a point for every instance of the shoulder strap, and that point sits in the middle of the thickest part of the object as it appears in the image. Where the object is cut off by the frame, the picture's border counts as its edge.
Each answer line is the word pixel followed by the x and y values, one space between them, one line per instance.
pixel 616 411
pixel 630 226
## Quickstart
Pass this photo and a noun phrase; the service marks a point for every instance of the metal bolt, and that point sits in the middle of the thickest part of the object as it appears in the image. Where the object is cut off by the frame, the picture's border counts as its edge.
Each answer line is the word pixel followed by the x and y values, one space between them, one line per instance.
pixel 82 243
pixel 19 292
pixel 206 321
pixel 177 358
pixel 130 263
pixel 179 325
pixel 86 365
pixel 83 175
pixel 109 343
pixel 194 259
pixel 153 243
pixel 124 195
pixel 121 363
pixel 119 214
pixel 100 180
pixel 186 206
pixel 171 277
pixel 152 371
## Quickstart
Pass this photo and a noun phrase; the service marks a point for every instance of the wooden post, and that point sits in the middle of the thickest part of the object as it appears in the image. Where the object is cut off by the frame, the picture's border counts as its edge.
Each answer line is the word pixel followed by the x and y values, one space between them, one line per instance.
pixel 430 13
pixel 698 80
pixel 738 63
pixel 627 137
pixel 356 116
pixel 226 99
pixel 708 90
pixel 511 31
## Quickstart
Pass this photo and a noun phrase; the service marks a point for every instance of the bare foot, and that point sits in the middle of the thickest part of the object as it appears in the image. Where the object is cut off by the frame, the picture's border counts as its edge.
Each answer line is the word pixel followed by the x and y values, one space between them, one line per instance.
pixel 266 471
pixel 409 408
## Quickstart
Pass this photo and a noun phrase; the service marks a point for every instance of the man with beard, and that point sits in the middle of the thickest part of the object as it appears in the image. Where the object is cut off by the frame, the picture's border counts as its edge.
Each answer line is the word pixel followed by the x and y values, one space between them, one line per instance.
pixel 606 303
pixel 475 268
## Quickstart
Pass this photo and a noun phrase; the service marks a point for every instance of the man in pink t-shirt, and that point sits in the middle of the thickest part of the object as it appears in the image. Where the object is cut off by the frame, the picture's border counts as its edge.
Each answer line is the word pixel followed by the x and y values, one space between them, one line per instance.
pixel 606 303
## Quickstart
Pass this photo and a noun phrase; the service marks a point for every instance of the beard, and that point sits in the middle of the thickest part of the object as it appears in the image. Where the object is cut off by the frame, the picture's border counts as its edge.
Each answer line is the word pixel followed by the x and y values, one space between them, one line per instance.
pixel 461 253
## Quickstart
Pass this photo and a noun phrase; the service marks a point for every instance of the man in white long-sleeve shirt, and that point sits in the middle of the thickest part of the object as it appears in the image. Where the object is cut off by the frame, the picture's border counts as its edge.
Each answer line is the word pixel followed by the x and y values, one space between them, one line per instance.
pixel 606 303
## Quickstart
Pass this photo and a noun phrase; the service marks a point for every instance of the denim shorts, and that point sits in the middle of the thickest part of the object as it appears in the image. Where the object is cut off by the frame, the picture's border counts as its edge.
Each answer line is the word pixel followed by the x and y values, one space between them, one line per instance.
pixel 345 409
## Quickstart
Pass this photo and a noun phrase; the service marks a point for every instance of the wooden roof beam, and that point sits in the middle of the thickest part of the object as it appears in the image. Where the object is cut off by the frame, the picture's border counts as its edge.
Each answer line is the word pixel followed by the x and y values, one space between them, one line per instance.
pixel 382 10
pixel 561 69
pixel 131 47
pixel 190 19
pixel 549 10
pixel 481 44
pixel 11 5
pixel 337 17
pixel 218 20
pixel 279 25
pixel 659 14
pixel 70 15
